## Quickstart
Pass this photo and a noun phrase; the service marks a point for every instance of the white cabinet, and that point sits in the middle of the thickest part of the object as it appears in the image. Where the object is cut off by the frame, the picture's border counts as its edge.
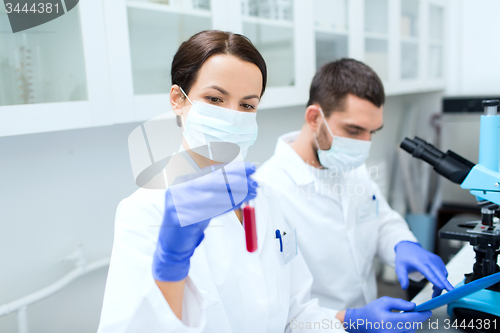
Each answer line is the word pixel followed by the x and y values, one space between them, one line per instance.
pixel 436 17
pixel 107 62
pixel 402 40
pixel 55 76
pixel 270 26
pixel 330 30
pixel 376 32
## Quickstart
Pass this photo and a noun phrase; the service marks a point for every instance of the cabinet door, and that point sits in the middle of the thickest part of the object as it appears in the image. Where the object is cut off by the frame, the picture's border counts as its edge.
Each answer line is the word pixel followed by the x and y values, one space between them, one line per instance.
pixel 143 37
pixel 55 76
pixel 281 31
pixel 436 19
pixel 377 36
pixel 410 24
pixel 330 30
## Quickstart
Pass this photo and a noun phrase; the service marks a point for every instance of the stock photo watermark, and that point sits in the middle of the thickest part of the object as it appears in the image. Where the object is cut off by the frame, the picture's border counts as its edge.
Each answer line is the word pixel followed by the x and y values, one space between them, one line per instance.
pixel 26 14
pixel 328 324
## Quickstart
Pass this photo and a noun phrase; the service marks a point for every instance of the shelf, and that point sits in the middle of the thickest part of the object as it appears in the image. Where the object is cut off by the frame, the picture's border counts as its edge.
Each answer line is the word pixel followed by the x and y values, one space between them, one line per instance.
pixel 436 42
pixel 376 35
pixel 410 40
pixel 332 31
pixel 266 21
pixel 158 7
pixel 409 86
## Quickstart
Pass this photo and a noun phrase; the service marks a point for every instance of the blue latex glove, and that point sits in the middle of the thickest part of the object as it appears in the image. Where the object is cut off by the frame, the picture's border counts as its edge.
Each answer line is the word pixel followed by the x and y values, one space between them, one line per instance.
pixel 378 317
pixel 205 196
pixel 411 257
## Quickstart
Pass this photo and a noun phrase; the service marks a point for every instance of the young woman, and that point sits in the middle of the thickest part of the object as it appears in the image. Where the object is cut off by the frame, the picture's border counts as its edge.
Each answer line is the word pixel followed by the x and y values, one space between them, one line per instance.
pixel 194 273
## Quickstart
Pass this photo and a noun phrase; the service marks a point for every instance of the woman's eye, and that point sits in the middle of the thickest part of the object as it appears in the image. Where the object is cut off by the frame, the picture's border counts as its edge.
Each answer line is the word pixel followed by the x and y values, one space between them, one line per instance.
pixel 248 107
pixel 214 99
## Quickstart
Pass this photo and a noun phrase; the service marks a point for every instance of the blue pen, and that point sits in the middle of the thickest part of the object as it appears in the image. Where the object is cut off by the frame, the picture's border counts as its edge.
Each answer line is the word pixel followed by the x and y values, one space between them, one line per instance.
pixel 374 198
pixel 278 235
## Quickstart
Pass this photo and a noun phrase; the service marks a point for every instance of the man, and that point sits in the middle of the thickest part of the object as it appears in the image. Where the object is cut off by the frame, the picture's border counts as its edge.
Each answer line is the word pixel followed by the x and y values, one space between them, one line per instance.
pixel 341 217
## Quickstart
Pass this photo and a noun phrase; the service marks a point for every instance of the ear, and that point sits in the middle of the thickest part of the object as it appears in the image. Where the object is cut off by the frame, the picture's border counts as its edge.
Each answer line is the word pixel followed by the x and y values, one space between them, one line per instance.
pixel 177 99
pixel 313 117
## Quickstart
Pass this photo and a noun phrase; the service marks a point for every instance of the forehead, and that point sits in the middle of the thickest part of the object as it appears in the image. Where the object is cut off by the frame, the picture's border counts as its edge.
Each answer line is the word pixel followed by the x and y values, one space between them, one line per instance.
pixel 237 76
pixel 361 112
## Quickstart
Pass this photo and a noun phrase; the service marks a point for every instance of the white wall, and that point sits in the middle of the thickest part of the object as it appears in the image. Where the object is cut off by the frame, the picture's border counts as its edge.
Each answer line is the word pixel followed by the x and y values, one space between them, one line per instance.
pixel 59 190
pixel 473 50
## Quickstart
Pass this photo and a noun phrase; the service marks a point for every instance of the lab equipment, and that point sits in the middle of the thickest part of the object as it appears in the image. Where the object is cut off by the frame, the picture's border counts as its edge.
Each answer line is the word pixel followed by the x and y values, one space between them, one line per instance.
pixel 460 292
pixel 483 181
pixel 378 316
pixel 411 257
pixel 250 227
pixel 189 205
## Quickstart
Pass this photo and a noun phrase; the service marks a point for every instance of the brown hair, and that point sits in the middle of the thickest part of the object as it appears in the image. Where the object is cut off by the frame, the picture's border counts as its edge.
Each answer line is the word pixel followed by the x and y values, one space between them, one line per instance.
pixel 335 80
pixel 193 53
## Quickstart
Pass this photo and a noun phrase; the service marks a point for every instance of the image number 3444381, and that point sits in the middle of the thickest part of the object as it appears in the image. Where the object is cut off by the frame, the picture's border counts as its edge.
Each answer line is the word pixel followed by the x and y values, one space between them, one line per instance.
pixel 26 14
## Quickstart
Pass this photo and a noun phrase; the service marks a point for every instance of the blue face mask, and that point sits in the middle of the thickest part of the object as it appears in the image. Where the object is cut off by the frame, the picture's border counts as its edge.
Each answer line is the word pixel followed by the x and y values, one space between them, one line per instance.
pixel 344 152
pixel 207 123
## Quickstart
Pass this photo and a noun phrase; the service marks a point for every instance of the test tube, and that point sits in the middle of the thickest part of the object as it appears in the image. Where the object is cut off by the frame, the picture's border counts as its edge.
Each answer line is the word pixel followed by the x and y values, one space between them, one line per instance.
pixel 250 226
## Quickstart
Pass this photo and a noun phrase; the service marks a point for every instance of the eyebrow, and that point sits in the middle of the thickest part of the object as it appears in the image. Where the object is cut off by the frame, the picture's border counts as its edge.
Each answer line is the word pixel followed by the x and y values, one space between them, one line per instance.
pixel 224 92
pixel 362 128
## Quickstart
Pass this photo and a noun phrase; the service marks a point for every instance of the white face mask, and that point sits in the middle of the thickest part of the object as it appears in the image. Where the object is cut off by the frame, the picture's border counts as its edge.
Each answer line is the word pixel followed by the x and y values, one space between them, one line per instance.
pixel 206 123
pixel 344 152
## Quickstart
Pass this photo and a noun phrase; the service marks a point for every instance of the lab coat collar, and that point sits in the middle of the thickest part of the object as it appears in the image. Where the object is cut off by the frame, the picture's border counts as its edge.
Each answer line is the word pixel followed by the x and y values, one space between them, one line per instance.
pixel 294 165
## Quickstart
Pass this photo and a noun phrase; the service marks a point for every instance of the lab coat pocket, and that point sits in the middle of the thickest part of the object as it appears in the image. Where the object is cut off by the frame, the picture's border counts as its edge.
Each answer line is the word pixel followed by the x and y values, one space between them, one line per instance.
pixel 284 286
pixel 367 232
pixel 367 212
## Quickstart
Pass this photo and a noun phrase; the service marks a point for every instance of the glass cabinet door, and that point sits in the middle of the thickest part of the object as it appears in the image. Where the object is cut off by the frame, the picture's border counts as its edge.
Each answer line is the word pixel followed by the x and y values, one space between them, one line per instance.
pixel 376 36
pixel 409 39
pixel 156 30
pixel 435 42
pixel 330 24
pixel 269 25
pixel 43 64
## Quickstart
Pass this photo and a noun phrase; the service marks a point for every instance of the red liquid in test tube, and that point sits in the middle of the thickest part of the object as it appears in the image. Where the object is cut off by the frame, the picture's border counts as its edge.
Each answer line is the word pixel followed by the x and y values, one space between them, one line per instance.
pixel 250 227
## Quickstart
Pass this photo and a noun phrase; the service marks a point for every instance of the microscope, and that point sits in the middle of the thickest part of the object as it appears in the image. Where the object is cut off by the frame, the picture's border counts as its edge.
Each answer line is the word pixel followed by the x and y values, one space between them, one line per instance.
pixel 483 181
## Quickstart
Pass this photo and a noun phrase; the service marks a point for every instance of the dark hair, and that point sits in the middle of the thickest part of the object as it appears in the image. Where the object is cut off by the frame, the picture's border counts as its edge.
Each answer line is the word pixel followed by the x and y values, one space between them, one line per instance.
pixel 193 53
pixel 335 80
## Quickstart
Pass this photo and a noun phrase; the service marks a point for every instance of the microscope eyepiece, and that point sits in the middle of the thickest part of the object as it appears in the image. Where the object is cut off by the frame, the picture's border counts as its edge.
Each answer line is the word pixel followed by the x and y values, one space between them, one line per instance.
pixel 491 102
pixel 449 164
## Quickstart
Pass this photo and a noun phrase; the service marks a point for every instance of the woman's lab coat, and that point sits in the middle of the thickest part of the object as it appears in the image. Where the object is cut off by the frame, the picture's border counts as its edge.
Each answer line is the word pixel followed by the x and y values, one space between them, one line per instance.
pixel 227 290
pixel 342 220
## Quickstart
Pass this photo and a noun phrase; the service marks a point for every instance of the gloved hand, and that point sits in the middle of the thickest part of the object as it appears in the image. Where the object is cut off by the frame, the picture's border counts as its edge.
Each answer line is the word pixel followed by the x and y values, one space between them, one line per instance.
pixel 189 206
pixel 411 257
pixel 377 317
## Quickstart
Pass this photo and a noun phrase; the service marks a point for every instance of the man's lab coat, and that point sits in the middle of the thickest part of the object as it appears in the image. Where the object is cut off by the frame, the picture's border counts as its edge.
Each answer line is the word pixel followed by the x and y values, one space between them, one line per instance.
pixel 342 223
pixel 227 290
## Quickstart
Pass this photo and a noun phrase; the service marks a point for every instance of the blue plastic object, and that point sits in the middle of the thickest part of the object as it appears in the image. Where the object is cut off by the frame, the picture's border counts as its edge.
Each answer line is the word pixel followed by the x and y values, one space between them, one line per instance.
pixel 484 300
pixel 462 291
pixel 489 139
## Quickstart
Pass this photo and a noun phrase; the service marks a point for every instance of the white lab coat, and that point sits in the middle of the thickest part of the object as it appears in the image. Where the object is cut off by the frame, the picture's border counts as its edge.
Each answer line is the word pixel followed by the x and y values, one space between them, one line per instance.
pixel 339 233
pixel 227 290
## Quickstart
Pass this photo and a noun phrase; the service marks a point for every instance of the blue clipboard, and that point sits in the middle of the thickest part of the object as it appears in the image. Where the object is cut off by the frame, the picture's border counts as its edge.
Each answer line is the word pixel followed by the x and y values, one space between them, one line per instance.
pixel 458 293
